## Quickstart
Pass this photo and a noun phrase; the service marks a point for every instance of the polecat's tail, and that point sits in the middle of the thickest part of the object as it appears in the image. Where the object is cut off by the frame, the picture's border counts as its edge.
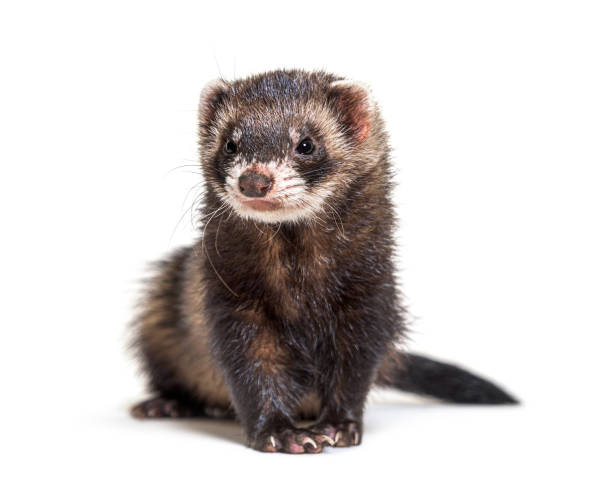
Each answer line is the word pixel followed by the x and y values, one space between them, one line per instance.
pixel 424 376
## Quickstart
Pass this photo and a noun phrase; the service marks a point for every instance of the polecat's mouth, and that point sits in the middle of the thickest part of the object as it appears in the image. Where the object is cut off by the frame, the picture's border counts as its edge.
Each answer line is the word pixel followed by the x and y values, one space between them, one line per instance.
pixel 262 204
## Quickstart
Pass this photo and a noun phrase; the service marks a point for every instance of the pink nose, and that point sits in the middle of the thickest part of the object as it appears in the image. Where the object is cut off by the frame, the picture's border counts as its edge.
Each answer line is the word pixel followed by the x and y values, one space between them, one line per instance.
pixel 254 185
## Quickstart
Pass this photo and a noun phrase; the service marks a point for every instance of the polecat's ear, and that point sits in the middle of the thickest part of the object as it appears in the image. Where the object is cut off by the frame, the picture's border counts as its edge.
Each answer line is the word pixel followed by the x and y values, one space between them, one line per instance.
pixel 354 103
pixel 211 98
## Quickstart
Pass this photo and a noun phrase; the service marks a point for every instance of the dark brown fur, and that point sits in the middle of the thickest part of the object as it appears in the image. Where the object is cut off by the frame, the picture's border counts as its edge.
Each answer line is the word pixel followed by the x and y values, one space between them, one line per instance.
pixel 281 320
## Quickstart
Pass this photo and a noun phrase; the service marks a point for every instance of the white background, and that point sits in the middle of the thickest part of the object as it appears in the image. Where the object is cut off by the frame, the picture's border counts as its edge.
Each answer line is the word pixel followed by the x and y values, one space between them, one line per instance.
pixel 500 116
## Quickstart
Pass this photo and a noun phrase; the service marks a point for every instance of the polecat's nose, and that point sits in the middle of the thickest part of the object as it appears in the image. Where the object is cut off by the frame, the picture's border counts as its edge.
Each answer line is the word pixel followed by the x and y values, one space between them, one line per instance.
pixel 254 185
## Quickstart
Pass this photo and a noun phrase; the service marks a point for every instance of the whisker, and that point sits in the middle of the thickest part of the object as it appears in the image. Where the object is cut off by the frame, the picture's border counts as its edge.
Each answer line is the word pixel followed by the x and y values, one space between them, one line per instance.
pixel 290 187
pixel 184 166
pixel 316 170
pixel 196 199
pixel 277 230
pixel 217 234
pixel 205 249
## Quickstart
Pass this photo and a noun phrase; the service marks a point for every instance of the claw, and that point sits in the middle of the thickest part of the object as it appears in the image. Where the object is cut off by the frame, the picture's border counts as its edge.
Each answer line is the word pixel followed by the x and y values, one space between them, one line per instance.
pixel 272 442
pixel 308 440
pixel 328 440
pixel 337 437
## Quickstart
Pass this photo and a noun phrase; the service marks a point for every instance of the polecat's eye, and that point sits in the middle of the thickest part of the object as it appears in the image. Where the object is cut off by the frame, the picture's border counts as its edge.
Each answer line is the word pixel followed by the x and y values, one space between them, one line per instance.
pixel 230 147
pixel 306 146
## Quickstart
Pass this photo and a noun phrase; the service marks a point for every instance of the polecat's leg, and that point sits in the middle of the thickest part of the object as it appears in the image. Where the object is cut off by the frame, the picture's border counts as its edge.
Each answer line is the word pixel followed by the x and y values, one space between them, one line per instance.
pixel 343 427
pixel 343 396
pixel 171 340
pixel 290 439
pixel 341 431
pixel 160 406
pixel 265 386
pixel 266 401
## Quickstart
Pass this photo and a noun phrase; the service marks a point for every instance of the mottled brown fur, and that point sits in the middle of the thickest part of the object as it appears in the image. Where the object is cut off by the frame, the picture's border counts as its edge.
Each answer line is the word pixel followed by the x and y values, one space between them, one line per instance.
pixel 172 331
pixel 292 312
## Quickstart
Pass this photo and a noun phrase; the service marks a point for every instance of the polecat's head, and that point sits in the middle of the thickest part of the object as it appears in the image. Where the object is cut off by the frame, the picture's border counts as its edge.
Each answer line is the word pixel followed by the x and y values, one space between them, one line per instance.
pixel 281 145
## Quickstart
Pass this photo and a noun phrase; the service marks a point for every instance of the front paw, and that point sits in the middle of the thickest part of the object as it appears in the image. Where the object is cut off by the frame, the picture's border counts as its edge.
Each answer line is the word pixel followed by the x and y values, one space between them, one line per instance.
pixel 292 440
pixel 343 434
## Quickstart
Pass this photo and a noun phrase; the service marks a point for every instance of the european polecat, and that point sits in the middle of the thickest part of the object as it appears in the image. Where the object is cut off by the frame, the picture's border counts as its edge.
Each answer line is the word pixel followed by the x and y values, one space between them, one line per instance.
pixel 287 309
